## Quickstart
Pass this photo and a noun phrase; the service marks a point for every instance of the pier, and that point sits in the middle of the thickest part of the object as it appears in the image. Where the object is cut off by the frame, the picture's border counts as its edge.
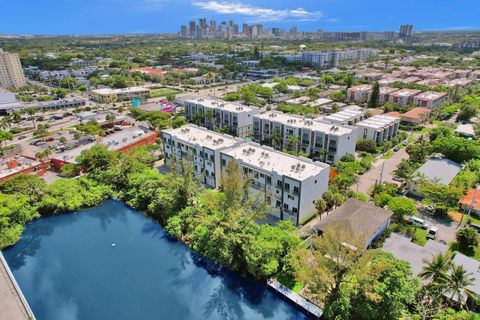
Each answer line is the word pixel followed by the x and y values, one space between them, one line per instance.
pixel 13 305
pixel 310 308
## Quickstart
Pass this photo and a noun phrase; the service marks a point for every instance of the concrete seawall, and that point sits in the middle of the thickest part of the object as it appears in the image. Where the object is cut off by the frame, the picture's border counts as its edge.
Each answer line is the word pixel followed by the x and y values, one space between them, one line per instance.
pixel 13 305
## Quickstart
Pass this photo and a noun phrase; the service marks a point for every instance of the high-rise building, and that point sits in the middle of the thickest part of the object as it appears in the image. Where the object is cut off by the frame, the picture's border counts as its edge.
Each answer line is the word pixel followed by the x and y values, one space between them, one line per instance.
pixel 405 31
pixel 203 23
pixel 183 32
pixel 191 28
pixel 11 73
pixel 246 30
pixel 213 25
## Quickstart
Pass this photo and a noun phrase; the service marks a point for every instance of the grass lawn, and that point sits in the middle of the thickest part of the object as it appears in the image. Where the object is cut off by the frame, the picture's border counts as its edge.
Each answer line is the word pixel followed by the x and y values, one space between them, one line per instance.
pixel 420 236
pixel 163 92
pixel 297 287
pixel 388 155
pixel 289 281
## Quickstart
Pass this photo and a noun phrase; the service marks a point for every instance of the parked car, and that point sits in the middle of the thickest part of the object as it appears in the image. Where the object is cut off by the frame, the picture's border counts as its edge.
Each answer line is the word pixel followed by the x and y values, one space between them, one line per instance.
pixel 22 137
pixel 396 148
pixel 475 226
pixel 432 233
pixel 50 139
pixel 405 143
pixel 40 143
pixel 418 222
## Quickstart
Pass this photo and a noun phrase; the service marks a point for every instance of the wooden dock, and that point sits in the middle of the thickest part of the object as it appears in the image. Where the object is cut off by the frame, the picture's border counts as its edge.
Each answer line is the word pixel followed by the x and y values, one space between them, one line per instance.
pixel 310 308
pixel 13 305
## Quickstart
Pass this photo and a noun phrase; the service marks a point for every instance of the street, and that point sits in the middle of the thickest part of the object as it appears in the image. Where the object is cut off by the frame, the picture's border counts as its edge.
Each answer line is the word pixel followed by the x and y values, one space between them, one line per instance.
pixel 367 181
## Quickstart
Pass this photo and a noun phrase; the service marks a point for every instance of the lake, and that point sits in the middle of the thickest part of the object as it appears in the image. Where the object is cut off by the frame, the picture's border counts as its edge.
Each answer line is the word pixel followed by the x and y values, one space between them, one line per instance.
pixel 68 269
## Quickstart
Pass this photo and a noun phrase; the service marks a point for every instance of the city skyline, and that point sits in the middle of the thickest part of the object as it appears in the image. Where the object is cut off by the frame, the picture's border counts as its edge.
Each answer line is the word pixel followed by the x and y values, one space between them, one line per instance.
pixel 148 16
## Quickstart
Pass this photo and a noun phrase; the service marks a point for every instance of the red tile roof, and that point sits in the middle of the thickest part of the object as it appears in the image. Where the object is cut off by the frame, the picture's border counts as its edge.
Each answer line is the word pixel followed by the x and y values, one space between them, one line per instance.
pixel 467 199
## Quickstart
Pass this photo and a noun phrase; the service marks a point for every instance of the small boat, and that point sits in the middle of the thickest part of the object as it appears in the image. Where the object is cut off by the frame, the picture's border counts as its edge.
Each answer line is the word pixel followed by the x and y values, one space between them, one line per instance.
pixel 114 245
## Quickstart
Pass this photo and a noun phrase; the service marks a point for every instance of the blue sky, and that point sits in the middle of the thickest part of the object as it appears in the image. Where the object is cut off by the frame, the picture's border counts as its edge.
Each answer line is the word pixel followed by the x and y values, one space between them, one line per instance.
pixel 155 16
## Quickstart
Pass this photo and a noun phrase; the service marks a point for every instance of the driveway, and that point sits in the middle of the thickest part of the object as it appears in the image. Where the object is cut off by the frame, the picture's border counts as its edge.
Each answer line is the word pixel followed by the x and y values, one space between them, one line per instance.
pixel 367 180
pixel 446 227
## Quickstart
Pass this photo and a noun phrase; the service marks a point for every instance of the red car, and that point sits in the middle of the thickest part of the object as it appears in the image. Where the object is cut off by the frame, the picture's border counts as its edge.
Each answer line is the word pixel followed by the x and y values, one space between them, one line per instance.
pixel 50 139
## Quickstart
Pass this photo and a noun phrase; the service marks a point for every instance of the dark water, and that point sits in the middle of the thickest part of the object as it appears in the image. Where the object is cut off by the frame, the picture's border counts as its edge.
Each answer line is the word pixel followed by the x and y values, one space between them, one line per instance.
pixel 67 269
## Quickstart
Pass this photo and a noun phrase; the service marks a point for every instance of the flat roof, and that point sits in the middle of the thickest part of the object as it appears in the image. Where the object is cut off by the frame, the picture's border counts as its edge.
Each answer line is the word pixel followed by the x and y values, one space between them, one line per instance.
pixel 417 256
pixel 431 95
pixel 269 160
pixel 221 104
pixel 321 102
pixel 387 90
pixel 441 170
pixel 471 266
pixel 104 91
pixel 344 115
pixel 406 92
pixel 114 141
pixel 301 122
pixel 378 121
pixel 13 164
pixel 195 135
pixel 362 87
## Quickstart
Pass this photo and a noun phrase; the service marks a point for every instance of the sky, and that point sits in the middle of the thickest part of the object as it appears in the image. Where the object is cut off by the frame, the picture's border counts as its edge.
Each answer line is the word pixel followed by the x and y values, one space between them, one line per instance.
pixel 163 16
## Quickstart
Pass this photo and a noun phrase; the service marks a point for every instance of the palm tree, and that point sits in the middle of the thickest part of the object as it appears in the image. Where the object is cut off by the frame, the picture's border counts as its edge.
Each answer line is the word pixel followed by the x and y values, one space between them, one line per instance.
pixel 275 138
pixel 455 285
pixel 437 268
pixel 293 141
pixel 16 116
pixel 7 122
pixel 31 113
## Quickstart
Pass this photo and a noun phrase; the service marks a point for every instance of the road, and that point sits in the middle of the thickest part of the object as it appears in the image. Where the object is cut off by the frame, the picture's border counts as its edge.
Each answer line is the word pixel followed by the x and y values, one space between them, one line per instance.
pixel 367 180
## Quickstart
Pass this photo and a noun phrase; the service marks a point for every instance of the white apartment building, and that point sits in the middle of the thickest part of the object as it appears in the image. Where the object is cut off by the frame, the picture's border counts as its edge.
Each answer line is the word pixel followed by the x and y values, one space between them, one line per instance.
pixel 56 74
pixel 8 102
pixel 360 93
pixel 319 139
pixel 202 145
pixel 332 59
pixel 11 72
pixel 112 95
pixel 429 99
pixel 348 116
pixel 290 184
pixel 404 96
pixel 378 128
pixel 213 113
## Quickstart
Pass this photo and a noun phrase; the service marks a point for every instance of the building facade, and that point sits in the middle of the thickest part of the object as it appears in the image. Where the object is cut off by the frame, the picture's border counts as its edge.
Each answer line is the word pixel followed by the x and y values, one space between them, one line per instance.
pixel 429 99
pixel 11 72
pixel 321 140
pixel 213 114
pixel 201 146
pixel 378 128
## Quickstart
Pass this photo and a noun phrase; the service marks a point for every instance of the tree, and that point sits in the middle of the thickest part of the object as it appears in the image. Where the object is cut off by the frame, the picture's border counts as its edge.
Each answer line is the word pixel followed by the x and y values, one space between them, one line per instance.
pixel 320 205
pixel 31 113
pixel 378 287
pixel 402 206
pixel 348 157
pixel 419 151
pixel 440 131
pixel 467 238
pixel 441 194
pixel 437 268
pixel 367 146
pixel 456 284
pixel 457 149
pixel 281 87
pixel 382 199
pixel 375 97
pixel 405 170
pixel 292 142
pixel 467 112
pixel 5 136
pixel 27 184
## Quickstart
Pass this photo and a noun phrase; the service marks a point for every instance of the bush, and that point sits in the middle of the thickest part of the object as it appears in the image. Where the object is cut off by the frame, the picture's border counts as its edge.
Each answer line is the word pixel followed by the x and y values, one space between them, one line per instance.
pixel 367 146
pixel 402 206
pixel 467 238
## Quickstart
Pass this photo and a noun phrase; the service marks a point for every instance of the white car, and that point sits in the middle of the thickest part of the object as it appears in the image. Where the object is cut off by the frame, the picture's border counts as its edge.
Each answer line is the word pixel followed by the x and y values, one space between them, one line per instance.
pixel 418 222
pixel 432 233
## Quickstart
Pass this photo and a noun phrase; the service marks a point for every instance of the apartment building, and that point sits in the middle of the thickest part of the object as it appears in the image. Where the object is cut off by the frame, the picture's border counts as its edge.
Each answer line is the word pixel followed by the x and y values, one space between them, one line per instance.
pixel 429 99
pixel 403 96
pixel 348 116
pixel 319 139
pixel 202 146
pixel 384 94
pixel 360 93
pixel 378 128
pixel 8 102
pixel 111 95
pixel 290 184
pixel 11 72
pixel 332 59
pixel 213 113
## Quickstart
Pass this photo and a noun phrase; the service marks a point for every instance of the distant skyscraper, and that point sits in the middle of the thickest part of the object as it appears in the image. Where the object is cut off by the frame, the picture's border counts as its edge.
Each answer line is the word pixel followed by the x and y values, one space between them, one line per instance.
pixel 183 32
pixel 276 31
pixel 405 31
pixel 213 25
pixel 203 23
pixel 11 72
pixel 191 28
pixel 246 30
pixel 235 29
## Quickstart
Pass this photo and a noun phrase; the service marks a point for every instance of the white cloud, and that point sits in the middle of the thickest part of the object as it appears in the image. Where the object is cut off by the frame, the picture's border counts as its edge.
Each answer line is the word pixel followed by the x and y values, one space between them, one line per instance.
pixel 258 13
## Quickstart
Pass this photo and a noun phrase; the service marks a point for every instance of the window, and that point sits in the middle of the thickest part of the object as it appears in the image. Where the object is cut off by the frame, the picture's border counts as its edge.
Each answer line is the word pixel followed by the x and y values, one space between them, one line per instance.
pixel 294 210
pixel 268 179
pixel 278 204
pixel 285 206
pixel 224 162
pixel 279 183
pixel 291 197
pixel 212 174
pixel 315 182
pixel 287 187
pixel 296 190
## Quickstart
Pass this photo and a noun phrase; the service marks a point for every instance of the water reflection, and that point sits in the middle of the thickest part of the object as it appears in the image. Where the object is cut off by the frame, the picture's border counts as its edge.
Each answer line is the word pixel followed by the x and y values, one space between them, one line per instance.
pixel 68 269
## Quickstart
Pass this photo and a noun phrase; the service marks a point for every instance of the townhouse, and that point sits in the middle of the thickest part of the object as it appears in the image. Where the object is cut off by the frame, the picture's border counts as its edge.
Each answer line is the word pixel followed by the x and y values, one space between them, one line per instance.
pixel 107 95
pixel 319 139
pixel 360 93
pixel 201 146
pixel 289 184
pixel 348 116
pixel 404 96
pixel 378 128
pixel 384 94
pixel 213 114
pixel 429 99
